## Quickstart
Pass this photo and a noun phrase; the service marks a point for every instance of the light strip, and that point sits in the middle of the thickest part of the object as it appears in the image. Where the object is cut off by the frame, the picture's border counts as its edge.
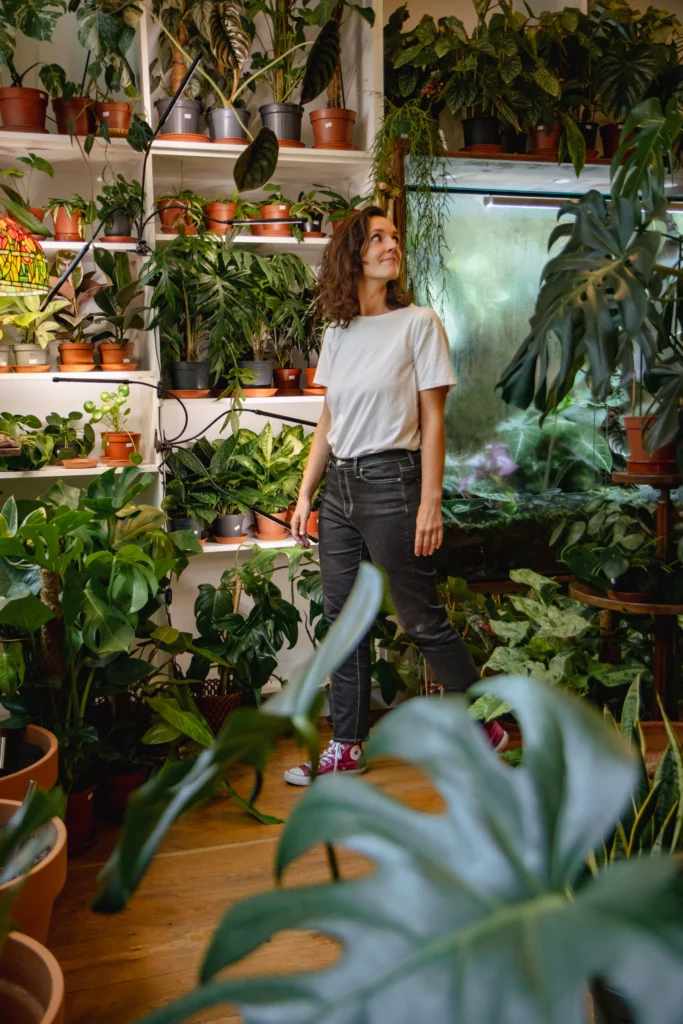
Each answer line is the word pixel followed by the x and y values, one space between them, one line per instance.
pixel 530 203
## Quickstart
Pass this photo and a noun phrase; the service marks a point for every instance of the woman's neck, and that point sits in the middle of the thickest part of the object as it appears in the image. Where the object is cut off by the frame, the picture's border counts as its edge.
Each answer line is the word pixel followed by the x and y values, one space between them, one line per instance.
pixel 372 297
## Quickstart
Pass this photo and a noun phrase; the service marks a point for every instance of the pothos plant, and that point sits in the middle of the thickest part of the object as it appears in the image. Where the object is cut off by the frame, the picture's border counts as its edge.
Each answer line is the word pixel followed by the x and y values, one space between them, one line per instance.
pixel 82 575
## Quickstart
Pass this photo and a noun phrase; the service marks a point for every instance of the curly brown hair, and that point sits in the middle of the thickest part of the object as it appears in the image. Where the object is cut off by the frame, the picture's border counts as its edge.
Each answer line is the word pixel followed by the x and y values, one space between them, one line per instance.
pixel 342 266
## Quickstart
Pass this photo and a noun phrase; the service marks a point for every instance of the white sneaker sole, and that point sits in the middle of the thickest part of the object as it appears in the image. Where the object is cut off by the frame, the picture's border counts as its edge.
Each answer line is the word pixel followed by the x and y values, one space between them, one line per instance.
pixel 306 780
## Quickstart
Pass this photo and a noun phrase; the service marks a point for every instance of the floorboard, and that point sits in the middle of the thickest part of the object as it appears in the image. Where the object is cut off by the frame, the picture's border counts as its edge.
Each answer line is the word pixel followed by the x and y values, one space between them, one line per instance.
pixel 120 967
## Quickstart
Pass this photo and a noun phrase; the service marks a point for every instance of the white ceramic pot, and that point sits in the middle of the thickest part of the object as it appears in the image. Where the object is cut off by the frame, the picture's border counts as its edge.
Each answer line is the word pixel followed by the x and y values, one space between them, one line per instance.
pixel 29 355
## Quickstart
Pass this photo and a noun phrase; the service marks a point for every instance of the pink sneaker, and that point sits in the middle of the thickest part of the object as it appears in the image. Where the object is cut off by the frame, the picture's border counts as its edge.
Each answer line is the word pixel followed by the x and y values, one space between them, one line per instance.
pixel 497 736
pixel 339 757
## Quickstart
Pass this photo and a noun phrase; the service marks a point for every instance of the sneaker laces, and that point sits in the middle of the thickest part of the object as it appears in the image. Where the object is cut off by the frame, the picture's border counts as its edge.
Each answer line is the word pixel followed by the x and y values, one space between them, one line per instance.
pixel 333 754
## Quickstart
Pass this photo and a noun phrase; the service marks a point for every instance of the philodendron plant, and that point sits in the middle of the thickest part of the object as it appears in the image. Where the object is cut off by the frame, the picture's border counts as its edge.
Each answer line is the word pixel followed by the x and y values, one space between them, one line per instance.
pixel 481 913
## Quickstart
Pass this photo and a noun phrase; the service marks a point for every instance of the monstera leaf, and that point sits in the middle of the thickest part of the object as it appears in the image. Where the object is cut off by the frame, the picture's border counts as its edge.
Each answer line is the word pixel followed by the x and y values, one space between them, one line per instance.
pixel 258 161
pixel 467 915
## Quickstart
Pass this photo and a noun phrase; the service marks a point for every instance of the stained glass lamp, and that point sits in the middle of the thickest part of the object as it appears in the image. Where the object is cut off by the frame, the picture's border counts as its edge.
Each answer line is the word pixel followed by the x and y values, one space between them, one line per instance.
pixel 23 267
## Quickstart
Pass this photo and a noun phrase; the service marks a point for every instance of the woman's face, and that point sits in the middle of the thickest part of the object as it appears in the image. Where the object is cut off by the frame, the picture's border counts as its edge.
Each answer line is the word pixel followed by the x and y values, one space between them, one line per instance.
pixel 382 256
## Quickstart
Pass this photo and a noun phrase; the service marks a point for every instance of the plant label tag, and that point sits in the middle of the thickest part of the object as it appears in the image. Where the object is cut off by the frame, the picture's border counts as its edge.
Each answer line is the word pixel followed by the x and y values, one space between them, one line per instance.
pixel 106 113
pixel 328 124
pixel 129 444
pixel 188 117
pixel 126 360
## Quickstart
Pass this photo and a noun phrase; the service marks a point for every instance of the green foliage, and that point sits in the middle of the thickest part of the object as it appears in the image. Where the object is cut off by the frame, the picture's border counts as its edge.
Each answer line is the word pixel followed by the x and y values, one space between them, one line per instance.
pixel 34 324
pixel 424 933
pixel 115 299
pixel 123 196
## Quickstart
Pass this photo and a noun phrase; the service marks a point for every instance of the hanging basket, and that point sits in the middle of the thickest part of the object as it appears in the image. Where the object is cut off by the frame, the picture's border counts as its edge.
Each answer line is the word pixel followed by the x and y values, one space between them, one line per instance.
pixel 215 706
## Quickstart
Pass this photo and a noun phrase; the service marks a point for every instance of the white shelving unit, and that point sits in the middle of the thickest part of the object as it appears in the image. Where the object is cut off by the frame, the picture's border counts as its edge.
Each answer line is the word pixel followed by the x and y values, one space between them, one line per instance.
pixel 61 471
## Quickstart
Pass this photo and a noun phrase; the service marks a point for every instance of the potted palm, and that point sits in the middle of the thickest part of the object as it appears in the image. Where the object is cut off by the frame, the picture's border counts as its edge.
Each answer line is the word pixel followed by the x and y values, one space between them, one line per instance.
pixel 120 205
pixel 21 195
pixel 70 217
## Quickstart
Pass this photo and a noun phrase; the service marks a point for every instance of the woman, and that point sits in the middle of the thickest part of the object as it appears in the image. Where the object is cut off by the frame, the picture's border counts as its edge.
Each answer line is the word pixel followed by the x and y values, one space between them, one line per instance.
pixel 381 442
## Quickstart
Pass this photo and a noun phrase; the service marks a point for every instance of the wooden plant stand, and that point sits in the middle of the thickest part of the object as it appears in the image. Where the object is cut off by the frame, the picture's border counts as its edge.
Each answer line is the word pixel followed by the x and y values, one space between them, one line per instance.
pixel 664 665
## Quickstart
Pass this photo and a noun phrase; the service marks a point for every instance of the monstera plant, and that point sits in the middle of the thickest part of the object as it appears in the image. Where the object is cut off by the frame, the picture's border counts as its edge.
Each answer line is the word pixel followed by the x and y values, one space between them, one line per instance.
pixel 479 914
pixel 607 302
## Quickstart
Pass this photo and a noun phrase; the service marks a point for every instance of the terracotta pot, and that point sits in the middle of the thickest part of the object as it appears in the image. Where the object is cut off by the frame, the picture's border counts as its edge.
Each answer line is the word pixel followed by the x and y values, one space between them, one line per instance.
pixel 120 446
pixel 110 352
pixel 272 210
pixel 287 380
pixel 32 909
pixel 266 529
pixel 81 352
pixel 310 372
pixel 31 983
pixel 80 817
pixel 631 596
pixel 23 110
pixel 609 133
pixel 216 214
pixel 312 523
pixel 660 462
pixel 256 229
pixel 169 217
pixel 75 116
pixel 333 127
pixel 336 224
pixel 545 139
pixel 117 117
pixel 68 227
pixel 654 734
pixel 117 788
pixel 43 772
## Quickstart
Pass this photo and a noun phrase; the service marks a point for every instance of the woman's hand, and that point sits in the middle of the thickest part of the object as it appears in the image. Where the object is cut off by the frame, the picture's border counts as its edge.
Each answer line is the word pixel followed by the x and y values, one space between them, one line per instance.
pixel 428 527
pixel 299 520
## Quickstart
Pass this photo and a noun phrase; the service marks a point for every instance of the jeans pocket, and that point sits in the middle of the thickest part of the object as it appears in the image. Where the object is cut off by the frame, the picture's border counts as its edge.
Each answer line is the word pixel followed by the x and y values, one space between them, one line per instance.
pixel 381 473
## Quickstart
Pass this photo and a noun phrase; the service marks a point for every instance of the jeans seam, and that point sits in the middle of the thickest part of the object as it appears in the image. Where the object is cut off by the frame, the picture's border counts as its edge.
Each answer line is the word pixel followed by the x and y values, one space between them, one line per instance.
pixel 358 680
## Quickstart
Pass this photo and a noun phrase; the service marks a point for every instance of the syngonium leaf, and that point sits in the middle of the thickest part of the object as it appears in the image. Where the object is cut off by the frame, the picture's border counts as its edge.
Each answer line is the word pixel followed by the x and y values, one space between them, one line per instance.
pixel 467 912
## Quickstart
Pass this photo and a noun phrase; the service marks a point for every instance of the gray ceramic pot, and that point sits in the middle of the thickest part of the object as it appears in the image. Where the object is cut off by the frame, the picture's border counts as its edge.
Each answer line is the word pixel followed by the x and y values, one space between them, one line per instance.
pixel 185 523
pixel 120 225
pixel 4 355
pixel 190 376
pixel 29 355
pixel 228 526
pixel 284 119
pixel 184 119
pixel 228 123
pixel 263 368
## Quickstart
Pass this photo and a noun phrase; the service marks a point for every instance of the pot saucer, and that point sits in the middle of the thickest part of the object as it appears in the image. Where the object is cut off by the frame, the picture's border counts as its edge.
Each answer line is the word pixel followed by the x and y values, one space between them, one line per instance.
pixel 314 391
pixel 79 463
pixel 259 392
pixel 231 142
pixel 290 144
pixel 29 128
pixel 230 540
pixel 336 145
pixel 117 238
pixel 189 393
pixel 76 367
pixel 314 234
pixel 36 368
pixel 289 392
pixel 115 463
pixel 181 137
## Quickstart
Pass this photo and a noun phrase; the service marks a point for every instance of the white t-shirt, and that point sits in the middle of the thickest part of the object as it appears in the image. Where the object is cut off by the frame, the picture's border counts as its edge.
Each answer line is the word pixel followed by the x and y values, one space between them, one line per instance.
pixel 373 370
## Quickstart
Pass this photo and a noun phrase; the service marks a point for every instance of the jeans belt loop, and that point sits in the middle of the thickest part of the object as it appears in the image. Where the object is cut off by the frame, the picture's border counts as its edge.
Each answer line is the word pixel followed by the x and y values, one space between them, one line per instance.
pixel 355 469
pixel 411 458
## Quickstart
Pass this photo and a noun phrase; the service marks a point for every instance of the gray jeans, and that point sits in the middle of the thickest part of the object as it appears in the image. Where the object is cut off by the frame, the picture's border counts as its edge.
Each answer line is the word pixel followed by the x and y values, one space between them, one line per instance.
pixel 368 512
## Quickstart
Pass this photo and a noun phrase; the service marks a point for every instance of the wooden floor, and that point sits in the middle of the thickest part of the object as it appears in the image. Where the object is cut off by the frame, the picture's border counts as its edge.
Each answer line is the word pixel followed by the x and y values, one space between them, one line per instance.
pixel 119 968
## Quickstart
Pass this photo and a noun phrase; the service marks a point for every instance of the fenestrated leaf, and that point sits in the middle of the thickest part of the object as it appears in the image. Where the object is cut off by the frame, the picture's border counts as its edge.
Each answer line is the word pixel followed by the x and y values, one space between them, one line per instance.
pixel 257 163
pixel 105 629
pixel 321 61
pixel 466 911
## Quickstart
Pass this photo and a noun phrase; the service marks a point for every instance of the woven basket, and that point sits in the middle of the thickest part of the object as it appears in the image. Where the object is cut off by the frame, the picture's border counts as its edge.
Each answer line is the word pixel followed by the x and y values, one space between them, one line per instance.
pixel 216 706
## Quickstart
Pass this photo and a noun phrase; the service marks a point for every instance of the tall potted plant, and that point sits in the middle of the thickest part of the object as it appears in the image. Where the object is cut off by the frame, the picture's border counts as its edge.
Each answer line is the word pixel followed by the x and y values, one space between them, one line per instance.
pixel 21 108
pixel 76 347
pixel 119 314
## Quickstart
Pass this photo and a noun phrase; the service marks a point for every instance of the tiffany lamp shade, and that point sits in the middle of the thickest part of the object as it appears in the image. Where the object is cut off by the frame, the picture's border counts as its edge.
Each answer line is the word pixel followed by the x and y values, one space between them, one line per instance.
pixel 23 267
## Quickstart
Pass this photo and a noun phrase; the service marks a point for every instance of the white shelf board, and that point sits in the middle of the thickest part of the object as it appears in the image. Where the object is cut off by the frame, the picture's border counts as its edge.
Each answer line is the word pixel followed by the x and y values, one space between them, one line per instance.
pixel 52 245
pixel 65 474
pixel 61 149
pixel 207 164
pixel 310 249
pixel 94 375
pixel 251 542
pixel 276 402
pixel 481 174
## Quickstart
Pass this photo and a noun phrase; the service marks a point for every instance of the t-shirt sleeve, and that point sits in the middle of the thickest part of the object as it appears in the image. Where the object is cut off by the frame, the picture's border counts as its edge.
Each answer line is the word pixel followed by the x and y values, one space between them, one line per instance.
pixel 431 355
pixel 324 367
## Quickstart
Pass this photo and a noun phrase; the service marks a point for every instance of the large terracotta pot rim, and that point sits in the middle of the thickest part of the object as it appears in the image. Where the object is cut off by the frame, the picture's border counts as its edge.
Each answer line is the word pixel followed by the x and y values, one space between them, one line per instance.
pixel 37 736
pixel 52 1013
pixel 58 842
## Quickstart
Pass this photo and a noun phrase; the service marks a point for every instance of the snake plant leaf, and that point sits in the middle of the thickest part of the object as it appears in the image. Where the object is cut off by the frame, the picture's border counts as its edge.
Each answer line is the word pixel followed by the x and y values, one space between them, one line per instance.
pixel 321 61
pixel 258 161
pixel 466 915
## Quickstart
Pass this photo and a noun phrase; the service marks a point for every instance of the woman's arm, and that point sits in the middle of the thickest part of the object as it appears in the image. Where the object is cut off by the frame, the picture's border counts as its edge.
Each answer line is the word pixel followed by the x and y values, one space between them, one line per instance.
pixel 313 474
pixel 429 528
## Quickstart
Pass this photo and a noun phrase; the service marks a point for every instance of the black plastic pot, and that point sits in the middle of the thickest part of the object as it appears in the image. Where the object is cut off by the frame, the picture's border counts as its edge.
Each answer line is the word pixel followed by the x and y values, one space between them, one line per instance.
pixel 284 119
pixel 263 368
pixel 190 376
pixel 513 141
pixel 228 526
pixel 120 225
pixel 185 523
pixel 589 130
pixel 481 131
pixel 311 227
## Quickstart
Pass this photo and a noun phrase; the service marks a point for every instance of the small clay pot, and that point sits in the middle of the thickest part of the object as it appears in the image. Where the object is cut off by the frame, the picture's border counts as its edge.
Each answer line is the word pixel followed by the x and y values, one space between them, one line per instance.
pixel 312 523
pixel 80 817
pixel 266 529
pixel 79 463
pixel 333 128
pixel 287 380
pixel 273 210
pixel 69 227
pixel 171 211
pixel 117 788
pixel 75 116
pixel 121 445
pixel 661 462
pixel 545 139
pixel 217 214
pixel 80 352
pixel 117 117
pixel 256 229
pixel 42 771
pixel 31 983
pixel 110 352
pixel 310 372
pixel 23 110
